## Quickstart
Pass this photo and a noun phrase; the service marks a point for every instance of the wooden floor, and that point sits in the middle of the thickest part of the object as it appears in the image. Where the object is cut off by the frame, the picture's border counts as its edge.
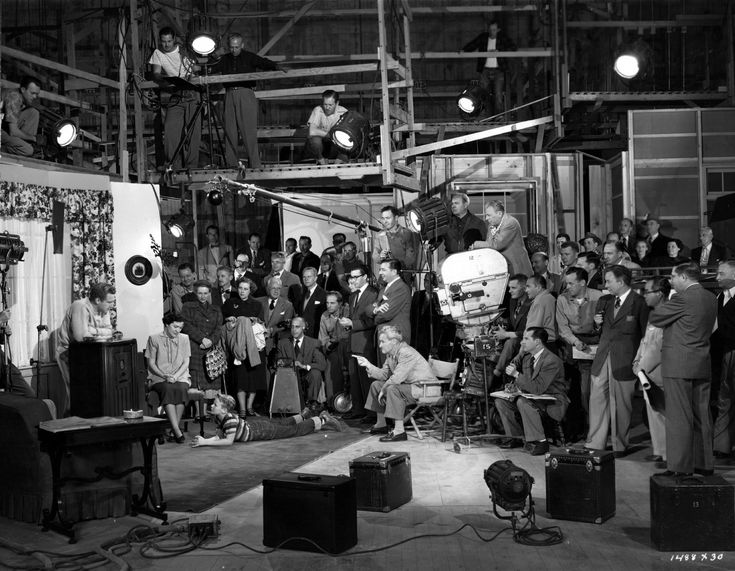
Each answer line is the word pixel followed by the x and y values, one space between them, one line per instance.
pixel 449 491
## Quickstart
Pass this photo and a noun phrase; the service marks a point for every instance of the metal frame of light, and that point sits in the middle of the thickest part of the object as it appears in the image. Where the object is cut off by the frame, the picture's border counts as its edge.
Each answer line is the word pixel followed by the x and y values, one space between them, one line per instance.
pixel 510 487
pixel 12 249
pixel 64 132
pixel 351 133
pixel 179 223
pixel 428 216
pixel 632 59
pixel 202 39
pixel 471 101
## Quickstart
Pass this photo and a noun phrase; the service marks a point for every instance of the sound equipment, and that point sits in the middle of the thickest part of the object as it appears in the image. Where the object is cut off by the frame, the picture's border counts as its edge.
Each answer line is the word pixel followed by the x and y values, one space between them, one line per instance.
pixel 383 480
pixel 57 226
pixel 286 396
pixel 321 509
pixel 692 513
pixel 580 484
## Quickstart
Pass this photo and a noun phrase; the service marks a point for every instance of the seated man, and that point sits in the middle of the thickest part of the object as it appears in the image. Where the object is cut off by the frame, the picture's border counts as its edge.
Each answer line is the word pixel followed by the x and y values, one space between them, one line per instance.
pixel 537 371
pixel 511 335
pixel 20 124
pixel 306 355
pixel 391 391
pixel 323 117
pixel 231 428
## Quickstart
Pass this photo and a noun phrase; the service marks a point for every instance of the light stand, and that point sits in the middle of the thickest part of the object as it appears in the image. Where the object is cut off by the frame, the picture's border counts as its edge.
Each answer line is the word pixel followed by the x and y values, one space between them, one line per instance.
pixel 12 250
pixel 41 327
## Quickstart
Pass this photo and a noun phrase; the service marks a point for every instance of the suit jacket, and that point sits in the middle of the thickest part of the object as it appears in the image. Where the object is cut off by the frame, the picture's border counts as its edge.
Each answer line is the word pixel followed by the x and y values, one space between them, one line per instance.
pixel 287 280
pixel 362 338
pixel 621 334
pixel 259 265
pixel 547 377
pixel 687 320
pixel 479 44
pixel 312 313
pixel 217 295
pixel 658 247
pixel 332 283
pixel 508 240
pixel 309 354
pixel 517 321
pixel 281 312
pixel 208 264
pixel 717 254
pixel 724 338
pixel 301 261
pixel 398 297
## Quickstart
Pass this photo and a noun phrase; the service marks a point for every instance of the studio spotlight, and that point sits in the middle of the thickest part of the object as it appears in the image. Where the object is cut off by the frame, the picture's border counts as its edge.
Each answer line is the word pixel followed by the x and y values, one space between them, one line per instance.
pixel 632 59
pixel 202 37
pixel 428 217
pixel 12 249
pixel 351 133
pixel 510 487
pixel 626 66
pixel 214 197
pixel 471 101
pixel 64 132
pixel 179 223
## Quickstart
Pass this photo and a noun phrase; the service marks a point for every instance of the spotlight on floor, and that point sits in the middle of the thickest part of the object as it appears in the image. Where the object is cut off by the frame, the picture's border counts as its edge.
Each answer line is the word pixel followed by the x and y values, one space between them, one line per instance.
pixel 178 224
pixel 510 487
pixel 471 102
pixel 351 133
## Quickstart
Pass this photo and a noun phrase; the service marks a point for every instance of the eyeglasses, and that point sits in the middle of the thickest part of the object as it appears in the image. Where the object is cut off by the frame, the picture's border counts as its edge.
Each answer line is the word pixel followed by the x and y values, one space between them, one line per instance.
pixel 351 277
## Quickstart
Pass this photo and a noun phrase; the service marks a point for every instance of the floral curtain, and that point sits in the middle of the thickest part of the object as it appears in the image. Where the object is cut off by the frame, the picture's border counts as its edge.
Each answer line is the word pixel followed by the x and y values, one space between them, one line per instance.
pixel 88 216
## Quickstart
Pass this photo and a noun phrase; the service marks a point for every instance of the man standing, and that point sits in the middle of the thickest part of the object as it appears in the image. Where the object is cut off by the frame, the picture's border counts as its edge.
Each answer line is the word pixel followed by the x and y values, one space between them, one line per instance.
pixel 396 242
pixel 259 259
pixel 278 312
pixel 241 267
pixel 623 316
pixel 349 262
pixel 289 253
pixel 241 106
pixel 492 70
pixel 391 390
pixel 309 301
pixel 87 317
pixel 306 355
pixel 542 312
pixel 591 263
pixel 505 236
pixel 723 347
pixel 460 222
pixel 540 265
pixel 304 258
pixel 687 320
pixel 360 321
pixel 626 235
pixel 323 117
pixel 536 371
pixel 334 339
pixel 20 123
pixel 278 260
pixel 185 286
pixel 657 240
pixel 213 255
pixel 224 289
pixel 708 254
pixel 168 61
pixel 393 306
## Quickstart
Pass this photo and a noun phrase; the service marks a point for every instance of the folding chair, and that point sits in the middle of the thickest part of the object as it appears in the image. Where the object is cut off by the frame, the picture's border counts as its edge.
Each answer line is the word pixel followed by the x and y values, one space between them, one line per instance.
pixel 428 394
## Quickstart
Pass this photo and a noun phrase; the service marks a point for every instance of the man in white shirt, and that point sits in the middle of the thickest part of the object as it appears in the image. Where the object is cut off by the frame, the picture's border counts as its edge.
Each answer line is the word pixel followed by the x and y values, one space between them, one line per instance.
pixel 323 117
pixel 168 61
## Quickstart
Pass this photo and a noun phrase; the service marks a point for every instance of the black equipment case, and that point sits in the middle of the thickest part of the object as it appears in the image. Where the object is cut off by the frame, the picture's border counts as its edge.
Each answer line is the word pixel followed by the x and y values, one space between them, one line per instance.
pixel 320 508
pixel 692 513
pixel 383 480
pixel 580 484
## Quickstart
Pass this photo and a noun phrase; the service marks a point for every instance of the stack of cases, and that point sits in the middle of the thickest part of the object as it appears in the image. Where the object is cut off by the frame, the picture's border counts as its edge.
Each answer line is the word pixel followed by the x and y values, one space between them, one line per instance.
pixel 383 480
pixel 580 484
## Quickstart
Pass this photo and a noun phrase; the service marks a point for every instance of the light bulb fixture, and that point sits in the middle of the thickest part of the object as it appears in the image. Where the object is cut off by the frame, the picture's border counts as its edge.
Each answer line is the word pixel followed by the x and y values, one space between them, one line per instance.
pixel 179 223
pixel 626 66
pixel 471 102
pixel 428 217
pixel 203 39
pixel 64 132
pixel 632 59
pixel 510 486
pixel 351 133
pixel 12 249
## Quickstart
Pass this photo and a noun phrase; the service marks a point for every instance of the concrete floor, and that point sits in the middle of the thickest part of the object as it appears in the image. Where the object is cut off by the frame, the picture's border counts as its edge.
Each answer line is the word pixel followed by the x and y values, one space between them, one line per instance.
pixel 448 491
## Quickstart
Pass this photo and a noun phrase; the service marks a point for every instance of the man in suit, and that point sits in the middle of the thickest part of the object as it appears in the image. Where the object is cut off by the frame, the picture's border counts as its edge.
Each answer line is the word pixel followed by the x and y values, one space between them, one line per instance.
pixel 259 259
pixel 687 320
pixel 308 360
pixel 334 339
pixel 592 264
pixel 540 265
pixel 511 336
pixel 626 236
pixel 309 301
pixel 537 371
pixel 327 277
pixel 723 348
pixel 393 306
pixel 278 312
pixel 213 255
pixel 612 255
pixel 460 222
pixel 657 240
pixel 224 289
pixel 278 259
pixel 622 317
pixel 304 258
pixel 396 242
pixel 709 253
pixel 505 236
pixel 360 321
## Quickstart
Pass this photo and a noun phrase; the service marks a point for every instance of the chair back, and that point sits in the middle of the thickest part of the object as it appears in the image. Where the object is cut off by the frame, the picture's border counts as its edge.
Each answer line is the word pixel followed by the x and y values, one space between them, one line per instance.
pixel 444 370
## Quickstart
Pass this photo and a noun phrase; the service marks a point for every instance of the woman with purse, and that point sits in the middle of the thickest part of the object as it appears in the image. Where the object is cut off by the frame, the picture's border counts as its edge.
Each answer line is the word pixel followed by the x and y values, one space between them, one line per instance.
pixel 168 370
pixel 246 362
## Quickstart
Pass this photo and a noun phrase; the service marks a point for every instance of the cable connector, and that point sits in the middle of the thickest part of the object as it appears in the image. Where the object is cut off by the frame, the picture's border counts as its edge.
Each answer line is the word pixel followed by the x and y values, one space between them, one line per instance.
pixel 203 526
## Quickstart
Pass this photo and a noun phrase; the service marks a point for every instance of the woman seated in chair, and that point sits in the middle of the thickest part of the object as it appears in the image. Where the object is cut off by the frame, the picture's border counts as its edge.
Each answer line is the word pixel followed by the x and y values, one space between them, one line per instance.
pixel 168 369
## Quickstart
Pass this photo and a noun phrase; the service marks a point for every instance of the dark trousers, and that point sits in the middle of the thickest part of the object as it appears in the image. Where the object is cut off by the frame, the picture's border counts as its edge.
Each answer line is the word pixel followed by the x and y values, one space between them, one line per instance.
pixel 688 425
pixel 359 385
pixel 492 80
pixel 724 430
pixel 262 428
pixel 180 110
pixel 241 114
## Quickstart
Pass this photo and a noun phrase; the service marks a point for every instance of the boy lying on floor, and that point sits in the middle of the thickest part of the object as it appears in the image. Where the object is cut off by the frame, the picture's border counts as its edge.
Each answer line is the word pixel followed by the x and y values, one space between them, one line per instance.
pixel 231 429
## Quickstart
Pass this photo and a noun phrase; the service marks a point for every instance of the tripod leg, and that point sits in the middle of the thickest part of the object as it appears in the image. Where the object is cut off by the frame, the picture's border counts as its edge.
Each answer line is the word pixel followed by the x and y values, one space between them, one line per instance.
pixel 186 137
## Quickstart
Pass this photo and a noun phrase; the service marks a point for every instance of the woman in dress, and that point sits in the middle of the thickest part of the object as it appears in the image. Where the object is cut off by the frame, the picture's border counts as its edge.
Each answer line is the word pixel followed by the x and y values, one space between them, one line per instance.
pixel 168 355
pixel 246 377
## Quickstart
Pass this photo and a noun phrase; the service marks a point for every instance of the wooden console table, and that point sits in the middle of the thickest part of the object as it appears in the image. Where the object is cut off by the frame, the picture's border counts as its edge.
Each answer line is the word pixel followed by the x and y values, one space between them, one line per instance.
pixel 59 437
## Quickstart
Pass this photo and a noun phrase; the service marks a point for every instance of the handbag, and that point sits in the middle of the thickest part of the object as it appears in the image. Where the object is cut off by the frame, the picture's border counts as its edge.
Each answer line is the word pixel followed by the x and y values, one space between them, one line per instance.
pixel 215 363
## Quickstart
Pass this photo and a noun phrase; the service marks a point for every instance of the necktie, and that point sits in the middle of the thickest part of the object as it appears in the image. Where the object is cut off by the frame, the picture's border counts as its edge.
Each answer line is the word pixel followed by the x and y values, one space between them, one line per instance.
pixel 225 296
pixel 704 258
pixel 272 304
pixel 297 348
pixel 617 306
pixel 726 297
pixel 306 297
pixel 357 298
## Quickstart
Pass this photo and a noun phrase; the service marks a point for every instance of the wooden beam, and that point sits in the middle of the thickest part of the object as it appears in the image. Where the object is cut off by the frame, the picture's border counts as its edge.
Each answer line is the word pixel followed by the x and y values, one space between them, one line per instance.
pixel 286 27
pixel 407 18
pixel 422 149
pixel 43 62
pixel 679 22
pixel 592 96
pixel 386 164
pixel 286 74
pixel 5 84
pixel 423 11
pixel 399 114
pixel 520 53
pixel 291 93
pixel 122 134
pixel 140 147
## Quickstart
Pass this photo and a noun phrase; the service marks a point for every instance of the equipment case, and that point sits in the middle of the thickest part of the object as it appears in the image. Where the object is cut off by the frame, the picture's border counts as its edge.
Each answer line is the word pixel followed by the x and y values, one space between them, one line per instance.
pixel 692 513
pixel 320 508
pixel 580 484
pixel 383 480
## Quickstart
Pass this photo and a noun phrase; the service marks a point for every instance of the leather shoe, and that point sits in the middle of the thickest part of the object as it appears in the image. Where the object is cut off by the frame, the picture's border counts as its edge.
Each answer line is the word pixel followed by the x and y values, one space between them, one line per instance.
pixel 377 430
pixel 509 443
pixel 393 437
pixel 537 448
pixel 653 458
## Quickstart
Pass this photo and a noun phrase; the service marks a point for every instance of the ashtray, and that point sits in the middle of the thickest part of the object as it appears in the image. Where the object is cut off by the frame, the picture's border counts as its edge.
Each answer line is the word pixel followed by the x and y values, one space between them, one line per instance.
pixel 133 414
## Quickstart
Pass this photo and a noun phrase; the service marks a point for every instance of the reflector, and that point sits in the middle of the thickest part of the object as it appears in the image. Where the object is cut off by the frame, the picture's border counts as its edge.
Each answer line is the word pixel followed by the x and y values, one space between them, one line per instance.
pixel 471 101
pixel 626 66
pixel 178 224
pixel 351 133
pixel 64 132
pixel 202 37
pixel 427 216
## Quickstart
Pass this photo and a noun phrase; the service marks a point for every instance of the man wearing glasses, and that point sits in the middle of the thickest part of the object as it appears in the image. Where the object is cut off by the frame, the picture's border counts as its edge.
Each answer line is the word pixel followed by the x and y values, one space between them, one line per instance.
pixel 360 322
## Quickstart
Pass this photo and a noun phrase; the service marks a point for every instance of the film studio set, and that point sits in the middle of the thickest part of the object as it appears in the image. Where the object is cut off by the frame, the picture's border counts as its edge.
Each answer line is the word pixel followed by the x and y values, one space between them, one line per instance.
pixel 367 284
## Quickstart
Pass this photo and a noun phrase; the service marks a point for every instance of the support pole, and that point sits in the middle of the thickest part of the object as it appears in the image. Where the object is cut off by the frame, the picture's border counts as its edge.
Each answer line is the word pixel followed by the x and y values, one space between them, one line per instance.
pixel 386 164
pixel 140 150
pixel 122 122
